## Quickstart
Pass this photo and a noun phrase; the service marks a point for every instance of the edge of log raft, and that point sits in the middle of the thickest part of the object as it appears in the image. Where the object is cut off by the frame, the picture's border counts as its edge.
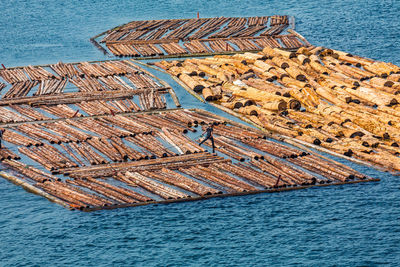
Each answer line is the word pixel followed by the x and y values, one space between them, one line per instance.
pixel 122 25
pixel 301 37
pixel 137 38
pixel 35 190
pixel 274 190
pixel 32 189
pixel 193 93
pixel 156 57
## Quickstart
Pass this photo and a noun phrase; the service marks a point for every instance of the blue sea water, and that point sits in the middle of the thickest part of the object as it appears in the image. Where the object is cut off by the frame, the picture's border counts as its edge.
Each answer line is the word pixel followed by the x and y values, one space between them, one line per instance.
pixel 352 225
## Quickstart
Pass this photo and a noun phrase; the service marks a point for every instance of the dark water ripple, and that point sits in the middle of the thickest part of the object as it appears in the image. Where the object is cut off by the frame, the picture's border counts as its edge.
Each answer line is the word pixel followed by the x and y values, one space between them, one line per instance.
pixel 353 225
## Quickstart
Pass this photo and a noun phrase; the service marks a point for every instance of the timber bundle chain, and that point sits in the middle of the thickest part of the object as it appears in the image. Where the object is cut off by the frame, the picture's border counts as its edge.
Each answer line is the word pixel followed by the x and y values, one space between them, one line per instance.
pixel 324 98
pixel 177 37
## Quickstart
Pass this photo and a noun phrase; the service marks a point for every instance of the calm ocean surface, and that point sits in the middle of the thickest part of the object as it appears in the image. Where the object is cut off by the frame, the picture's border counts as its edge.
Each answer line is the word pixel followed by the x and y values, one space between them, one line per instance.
pixel 352 225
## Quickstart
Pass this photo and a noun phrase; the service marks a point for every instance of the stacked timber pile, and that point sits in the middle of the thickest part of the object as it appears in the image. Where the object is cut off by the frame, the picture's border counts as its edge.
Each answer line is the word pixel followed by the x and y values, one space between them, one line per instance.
pixel 176 37
pixel 70 90
pixel 120 161
pixel 87 77
pixel 335 100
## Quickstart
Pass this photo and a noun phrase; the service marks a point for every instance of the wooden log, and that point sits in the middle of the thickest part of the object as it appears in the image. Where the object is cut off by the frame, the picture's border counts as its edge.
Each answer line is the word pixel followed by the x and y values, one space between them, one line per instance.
pixel 371 95
pixel 177 179
pixel 109 193
pixel 208 94
pixel 250 174
pixel 191 83
pixel 121 190
pixel 155 187
pixel 275 106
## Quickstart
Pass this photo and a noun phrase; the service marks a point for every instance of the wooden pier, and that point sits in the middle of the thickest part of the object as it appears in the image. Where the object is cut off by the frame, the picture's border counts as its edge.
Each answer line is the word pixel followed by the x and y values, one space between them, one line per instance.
pixel 197 37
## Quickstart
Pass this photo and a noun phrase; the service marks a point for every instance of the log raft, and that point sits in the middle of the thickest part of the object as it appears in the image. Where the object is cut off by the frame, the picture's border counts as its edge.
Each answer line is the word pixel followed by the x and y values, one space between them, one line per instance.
pixel 198 37
pixel 110 150
pixel 328 99
pixel 120 161
pixel 88 89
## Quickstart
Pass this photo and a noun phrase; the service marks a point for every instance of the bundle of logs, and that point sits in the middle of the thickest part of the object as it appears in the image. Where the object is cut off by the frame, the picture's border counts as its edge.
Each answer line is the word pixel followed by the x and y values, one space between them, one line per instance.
pixel 119 161
pixel 198 36
pixel 108 87
pixel 86 77
pixel 339 101
pixel 96 103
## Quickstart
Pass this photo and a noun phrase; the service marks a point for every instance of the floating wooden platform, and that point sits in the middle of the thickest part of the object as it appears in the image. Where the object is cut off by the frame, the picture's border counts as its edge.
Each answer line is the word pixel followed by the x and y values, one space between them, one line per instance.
pixel 198 37
pixel 324 98
pixel 143 158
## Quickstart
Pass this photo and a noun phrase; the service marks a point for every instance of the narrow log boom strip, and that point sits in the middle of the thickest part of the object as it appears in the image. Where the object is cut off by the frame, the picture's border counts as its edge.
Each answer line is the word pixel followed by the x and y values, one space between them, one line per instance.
pixel 196 37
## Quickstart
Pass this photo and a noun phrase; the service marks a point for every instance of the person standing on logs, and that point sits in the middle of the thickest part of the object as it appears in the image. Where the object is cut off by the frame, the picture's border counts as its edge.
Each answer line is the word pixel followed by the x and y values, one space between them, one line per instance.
pixel 1 136
pixel 277 181
pixel 209 135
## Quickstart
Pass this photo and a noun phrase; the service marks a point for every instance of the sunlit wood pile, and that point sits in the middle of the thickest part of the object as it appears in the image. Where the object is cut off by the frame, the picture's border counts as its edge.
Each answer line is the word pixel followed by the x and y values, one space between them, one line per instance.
pixel 332 99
